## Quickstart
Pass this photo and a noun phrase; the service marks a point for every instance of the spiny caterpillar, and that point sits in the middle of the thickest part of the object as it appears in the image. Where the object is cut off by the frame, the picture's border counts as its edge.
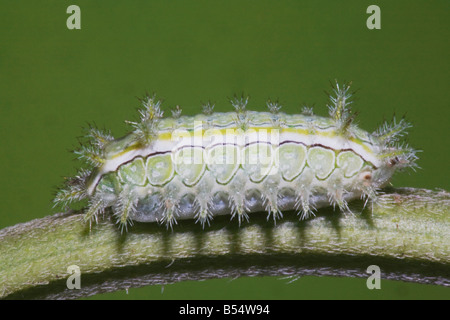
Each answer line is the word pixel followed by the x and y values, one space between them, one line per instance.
pixel 235 163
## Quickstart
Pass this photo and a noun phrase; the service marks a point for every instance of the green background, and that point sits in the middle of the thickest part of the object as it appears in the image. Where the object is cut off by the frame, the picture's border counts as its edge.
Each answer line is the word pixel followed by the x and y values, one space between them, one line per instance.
pixel 54 81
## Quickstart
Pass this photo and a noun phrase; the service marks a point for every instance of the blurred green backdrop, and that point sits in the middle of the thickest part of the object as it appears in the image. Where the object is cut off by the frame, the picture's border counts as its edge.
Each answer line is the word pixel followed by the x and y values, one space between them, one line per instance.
pixel 54 81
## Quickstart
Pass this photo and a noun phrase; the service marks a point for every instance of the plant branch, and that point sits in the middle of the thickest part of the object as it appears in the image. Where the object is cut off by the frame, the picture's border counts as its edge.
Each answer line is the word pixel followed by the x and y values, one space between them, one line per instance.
pixel 406 235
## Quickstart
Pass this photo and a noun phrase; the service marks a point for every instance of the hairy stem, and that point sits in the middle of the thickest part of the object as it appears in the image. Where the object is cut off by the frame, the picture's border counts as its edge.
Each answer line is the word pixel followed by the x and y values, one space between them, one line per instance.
pixel 405 234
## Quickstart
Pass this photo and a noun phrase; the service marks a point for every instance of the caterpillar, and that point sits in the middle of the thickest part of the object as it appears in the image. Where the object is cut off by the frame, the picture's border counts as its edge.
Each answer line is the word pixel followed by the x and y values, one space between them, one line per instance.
pixel 235 163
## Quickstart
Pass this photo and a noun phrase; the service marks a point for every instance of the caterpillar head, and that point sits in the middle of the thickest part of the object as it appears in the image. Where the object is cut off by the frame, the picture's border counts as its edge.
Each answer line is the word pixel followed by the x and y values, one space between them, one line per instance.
pixel 393 153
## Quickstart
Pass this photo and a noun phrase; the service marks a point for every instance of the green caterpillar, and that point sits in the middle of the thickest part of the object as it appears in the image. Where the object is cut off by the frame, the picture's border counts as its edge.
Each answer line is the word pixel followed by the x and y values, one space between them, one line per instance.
pixel 235 163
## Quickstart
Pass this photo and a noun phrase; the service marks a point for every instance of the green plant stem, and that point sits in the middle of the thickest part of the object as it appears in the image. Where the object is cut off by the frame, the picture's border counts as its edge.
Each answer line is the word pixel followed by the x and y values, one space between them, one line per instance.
pixel 406 235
